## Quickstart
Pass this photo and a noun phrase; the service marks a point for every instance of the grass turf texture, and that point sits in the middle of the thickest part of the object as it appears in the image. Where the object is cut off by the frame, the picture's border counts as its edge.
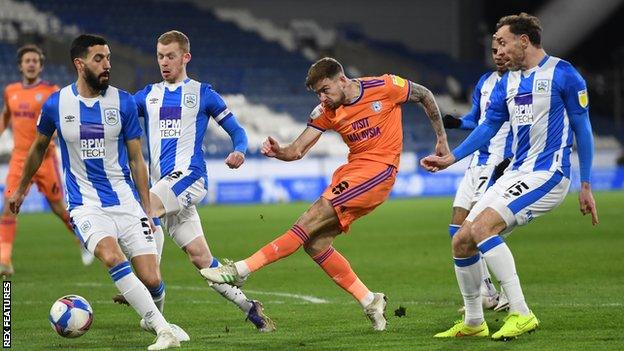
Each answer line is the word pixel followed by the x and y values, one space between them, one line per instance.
pixel 572 275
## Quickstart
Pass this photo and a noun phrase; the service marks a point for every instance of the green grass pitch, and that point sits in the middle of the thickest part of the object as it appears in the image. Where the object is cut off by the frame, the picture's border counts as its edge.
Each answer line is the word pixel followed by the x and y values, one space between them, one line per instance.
pixel 572 275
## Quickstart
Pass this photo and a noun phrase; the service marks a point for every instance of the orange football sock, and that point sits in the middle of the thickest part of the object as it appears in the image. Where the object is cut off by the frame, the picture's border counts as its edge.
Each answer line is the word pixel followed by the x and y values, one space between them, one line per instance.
pixel 339 269
pixel 7 236
pixel 281 247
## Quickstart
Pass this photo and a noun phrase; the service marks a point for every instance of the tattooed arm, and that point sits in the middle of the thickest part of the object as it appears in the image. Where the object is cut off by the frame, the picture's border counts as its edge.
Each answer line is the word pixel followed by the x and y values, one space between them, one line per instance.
pixel 423 96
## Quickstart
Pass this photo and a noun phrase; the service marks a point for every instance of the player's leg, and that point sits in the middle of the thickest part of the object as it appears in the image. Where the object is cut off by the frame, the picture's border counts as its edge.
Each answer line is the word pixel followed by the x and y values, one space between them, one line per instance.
pixel 471 188
pixel 158 211
pixel 134 291
pixel 93 226
pixel 523 197
pixel 369 184
pixel 137 242
pixel 485 231
pixel 320 248
pixel 468 271
pixel 186 231
pixel 317 217
pixel 353 182
pixel 8 221
pixel 8 227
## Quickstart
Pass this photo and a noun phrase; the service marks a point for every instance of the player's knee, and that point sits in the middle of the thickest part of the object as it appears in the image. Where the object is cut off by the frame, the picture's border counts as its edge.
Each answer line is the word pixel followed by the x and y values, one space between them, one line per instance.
pixel 462 242
pixel 152 280
pixel 314 248
pixel 111 259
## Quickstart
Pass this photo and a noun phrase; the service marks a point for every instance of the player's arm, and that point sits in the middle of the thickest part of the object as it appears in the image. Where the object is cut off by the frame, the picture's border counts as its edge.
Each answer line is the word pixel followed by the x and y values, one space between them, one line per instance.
pixel 576 102
pixel 33 161
pixel 4 118
pixel 585 148
pixel 470 120
pixel 423 96
pixel 131 133
pixel 138 168
pixel 295 150
pixel 239 141
pixel 495 117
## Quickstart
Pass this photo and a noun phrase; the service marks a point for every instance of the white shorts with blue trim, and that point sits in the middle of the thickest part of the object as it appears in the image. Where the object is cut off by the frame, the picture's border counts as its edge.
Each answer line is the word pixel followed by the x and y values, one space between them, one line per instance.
pixel 128 224
pixel 473 185
pixel 520 197
pixel 180 192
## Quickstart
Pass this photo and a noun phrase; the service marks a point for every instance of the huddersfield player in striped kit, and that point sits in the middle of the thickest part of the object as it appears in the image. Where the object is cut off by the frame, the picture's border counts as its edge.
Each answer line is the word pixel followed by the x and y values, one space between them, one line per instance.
pixel 545 100
pixel 176 113
pixel 367 114
pixel 105 176
pixel 487 164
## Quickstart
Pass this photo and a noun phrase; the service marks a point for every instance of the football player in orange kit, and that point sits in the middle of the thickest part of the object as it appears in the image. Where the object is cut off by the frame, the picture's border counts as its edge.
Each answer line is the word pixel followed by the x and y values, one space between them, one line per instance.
pixel 366 112
pixel 22 106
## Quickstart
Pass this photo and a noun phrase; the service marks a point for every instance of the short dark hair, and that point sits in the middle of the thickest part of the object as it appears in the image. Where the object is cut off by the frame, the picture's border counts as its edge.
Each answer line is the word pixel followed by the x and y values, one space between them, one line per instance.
pixel 29 48
pixel 523 24
pixel 326 67
pixel 80 46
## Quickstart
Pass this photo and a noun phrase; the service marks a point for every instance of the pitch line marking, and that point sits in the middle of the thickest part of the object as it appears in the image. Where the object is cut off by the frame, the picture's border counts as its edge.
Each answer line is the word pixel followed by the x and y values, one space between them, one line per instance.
pixel 307 298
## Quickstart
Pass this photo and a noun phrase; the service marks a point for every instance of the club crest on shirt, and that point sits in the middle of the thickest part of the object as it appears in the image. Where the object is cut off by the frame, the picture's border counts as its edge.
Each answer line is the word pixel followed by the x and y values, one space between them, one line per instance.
pixel 582 98
pixel 111 116
pixel 376 106
pixel 542 86
pixel 190 100
pixel 39 97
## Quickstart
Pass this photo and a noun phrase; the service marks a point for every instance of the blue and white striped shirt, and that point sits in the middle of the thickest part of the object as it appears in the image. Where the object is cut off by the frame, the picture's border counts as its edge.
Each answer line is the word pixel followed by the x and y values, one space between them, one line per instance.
pixel 92 133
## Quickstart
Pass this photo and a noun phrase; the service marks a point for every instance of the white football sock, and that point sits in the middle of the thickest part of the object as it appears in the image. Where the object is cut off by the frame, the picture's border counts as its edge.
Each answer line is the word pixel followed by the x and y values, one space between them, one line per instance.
pixel 158 295
pixel 501 262
pixel 487 287
pixel 138 296
pixel 468 273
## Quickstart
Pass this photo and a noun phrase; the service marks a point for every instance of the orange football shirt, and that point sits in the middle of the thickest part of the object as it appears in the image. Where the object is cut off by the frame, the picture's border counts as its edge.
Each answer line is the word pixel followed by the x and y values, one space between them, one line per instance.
pixel 24 104
pixel 371 125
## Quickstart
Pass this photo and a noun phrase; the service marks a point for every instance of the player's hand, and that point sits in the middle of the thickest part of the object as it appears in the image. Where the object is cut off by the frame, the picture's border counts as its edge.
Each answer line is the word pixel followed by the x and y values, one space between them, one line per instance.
pixel 442 147
pixel 587 203
pixel 501 167
pixel 270 147
pixel 235 159
pixel 15 202
pixel 451 122
pixel 434 163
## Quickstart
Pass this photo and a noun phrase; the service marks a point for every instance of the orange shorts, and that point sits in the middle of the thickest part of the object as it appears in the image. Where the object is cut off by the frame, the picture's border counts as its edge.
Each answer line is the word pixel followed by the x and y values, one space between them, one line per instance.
pixel 359 187
pixel 47 177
